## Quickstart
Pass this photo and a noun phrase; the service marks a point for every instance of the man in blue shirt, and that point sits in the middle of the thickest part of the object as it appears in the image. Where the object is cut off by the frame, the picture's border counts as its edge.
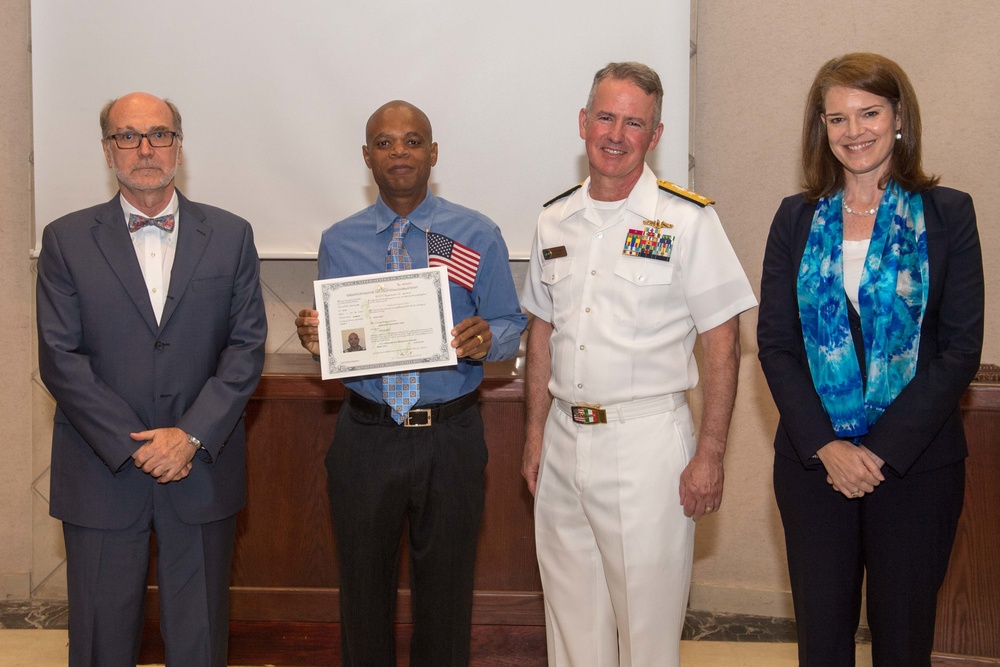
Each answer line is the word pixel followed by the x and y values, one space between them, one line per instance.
pixel 383 467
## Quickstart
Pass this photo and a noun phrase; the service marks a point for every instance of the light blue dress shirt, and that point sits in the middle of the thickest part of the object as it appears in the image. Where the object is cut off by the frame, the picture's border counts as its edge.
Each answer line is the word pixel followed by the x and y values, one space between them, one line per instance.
pixel 357 246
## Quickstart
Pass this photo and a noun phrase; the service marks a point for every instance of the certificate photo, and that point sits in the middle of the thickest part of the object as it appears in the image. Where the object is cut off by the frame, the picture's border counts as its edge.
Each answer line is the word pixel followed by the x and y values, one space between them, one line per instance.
pixel 384 323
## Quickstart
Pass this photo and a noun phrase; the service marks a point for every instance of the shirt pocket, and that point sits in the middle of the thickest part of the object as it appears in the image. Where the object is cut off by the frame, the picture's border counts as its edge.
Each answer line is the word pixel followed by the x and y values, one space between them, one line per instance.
pixel 556 276
pixel 641 288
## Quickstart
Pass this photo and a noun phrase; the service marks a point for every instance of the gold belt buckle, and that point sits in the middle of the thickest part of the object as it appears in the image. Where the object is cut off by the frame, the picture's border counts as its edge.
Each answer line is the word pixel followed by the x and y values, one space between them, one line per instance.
pixel 417 419
pixel 588 414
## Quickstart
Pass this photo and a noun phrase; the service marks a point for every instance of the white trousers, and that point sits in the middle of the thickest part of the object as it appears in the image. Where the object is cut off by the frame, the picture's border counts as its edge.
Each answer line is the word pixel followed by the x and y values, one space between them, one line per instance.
pixel 614 546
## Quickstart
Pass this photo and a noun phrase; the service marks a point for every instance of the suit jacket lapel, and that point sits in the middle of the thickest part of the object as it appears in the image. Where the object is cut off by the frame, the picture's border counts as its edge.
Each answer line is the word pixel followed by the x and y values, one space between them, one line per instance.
pixel 112 237
pixel 192 240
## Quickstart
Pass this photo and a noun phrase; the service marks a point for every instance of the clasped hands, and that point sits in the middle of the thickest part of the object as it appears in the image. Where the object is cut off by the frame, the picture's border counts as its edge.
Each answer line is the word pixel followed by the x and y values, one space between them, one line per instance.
pixel 166 454
pixel 851 469
pixel 471 336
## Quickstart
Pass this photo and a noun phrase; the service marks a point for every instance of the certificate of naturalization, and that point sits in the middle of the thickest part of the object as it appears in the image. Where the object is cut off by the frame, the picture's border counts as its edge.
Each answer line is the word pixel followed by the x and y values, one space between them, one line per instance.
pixel 384 323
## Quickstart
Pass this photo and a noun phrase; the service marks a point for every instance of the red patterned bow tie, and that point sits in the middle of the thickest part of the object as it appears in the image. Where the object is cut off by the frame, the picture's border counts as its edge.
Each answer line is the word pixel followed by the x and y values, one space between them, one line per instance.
pixel 166 223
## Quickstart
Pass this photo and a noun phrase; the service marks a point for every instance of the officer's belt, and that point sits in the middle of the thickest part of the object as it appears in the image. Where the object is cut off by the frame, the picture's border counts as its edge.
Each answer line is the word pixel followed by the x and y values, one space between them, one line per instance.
pixel 644 407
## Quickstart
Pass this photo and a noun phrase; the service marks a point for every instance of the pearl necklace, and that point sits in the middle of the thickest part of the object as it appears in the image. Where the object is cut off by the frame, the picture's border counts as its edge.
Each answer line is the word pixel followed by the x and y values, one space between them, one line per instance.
pixel 871 211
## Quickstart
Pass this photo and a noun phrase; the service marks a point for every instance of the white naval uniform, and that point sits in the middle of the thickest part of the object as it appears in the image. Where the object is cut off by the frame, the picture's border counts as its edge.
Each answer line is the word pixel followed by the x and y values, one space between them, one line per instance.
pixel 614 546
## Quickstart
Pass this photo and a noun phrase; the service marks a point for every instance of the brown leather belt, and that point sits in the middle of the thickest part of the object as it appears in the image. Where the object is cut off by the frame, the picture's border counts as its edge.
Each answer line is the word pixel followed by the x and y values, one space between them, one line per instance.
pixel 426 415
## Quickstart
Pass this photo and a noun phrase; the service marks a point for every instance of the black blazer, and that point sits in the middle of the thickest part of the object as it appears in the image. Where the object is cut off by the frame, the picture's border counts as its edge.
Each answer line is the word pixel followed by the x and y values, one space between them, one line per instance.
pixel 113 370
pixel 922 428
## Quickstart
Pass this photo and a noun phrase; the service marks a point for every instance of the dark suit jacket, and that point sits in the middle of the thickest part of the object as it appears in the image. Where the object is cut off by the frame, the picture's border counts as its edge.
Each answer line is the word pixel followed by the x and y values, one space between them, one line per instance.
pixel 922 428
pixel 112 370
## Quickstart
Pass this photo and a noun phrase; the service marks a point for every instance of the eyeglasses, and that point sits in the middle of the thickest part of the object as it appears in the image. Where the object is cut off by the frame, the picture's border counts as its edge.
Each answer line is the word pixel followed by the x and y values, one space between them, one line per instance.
pixel 157 139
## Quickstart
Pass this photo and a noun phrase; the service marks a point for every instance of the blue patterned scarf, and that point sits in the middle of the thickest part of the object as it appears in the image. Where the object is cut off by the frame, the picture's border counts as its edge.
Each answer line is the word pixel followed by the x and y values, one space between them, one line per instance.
pixel 893 297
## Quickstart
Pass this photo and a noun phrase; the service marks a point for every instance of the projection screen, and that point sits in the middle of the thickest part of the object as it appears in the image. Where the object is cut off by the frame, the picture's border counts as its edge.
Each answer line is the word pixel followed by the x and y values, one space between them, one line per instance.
pixel 275 96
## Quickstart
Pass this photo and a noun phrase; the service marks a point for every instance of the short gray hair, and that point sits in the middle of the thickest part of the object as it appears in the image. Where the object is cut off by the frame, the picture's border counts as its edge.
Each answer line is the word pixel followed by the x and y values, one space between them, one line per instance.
pixel 641 75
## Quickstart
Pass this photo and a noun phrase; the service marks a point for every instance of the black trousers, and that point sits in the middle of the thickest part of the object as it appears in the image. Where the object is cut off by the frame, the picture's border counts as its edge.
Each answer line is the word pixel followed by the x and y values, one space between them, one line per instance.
pixel 901 536
pixel 382 476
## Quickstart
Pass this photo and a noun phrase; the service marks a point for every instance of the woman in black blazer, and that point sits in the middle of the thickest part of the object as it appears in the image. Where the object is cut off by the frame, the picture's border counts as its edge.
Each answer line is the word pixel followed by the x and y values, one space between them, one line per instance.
pixel 870 329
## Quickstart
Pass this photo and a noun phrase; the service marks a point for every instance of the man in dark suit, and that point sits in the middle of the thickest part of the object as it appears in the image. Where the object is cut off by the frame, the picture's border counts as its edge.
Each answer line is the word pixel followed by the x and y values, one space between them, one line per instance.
pixel 151 333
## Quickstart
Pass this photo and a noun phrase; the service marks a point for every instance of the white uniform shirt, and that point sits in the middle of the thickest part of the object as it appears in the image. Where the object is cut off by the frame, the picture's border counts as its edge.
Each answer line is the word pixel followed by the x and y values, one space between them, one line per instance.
pixel 624 326
pixel 155 250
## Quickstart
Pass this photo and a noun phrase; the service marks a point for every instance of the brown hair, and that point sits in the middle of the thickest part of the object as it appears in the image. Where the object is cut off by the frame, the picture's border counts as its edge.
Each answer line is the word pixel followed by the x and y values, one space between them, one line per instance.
pixel 822 172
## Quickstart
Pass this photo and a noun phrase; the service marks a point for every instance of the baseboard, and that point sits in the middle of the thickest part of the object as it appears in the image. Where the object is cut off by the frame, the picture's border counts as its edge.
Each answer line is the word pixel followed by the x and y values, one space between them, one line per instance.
pixel 734 600
pixel 950 660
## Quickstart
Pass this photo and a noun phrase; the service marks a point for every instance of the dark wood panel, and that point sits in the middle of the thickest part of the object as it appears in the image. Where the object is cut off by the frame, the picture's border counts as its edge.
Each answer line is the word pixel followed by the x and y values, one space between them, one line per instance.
pixel 968 618
pixel 316 605
pixel 284 534
pixel 505 559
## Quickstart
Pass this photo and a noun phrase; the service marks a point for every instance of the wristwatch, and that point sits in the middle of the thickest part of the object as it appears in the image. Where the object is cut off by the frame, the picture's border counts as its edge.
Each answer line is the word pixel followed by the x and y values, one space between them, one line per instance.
pixel 195 442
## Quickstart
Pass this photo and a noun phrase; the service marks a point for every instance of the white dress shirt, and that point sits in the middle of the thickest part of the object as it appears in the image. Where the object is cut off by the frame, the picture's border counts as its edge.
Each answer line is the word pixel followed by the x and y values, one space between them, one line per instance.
pixel 155 250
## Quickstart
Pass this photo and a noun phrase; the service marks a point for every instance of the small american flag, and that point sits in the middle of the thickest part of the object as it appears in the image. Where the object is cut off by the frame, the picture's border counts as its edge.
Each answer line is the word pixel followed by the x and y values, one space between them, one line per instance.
pixel 462 262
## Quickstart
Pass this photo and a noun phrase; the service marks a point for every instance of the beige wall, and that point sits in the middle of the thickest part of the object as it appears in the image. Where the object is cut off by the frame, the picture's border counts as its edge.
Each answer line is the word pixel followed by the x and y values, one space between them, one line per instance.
pixel 754 62
pixel 16 282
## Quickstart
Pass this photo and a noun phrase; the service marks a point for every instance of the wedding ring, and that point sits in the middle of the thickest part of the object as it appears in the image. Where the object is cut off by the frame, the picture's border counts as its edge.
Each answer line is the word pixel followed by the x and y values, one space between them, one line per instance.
pixel 856 494
pixel 480 337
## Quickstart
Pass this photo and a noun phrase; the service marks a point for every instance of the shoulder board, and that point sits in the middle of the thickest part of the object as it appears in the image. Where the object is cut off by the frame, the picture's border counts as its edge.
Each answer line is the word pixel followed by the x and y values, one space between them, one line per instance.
pixel 565 194
pixel 684 193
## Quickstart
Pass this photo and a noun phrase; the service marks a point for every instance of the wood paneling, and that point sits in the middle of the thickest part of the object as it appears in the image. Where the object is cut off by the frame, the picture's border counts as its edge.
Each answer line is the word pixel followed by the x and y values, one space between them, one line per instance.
pixel 968 618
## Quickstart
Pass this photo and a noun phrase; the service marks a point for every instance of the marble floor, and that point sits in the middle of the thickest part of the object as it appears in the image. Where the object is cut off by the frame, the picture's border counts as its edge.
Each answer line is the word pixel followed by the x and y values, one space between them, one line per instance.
pixel 47 648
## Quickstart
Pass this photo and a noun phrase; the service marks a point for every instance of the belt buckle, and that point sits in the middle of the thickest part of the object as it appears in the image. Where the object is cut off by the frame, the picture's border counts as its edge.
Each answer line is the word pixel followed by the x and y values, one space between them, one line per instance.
pixel 588 414
pixel 423 418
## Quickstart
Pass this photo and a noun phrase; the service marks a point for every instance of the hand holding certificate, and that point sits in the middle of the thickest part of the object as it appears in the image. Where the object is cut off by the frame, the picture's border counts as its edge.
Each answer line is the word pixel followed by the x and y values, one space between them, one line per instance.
pixel 384 323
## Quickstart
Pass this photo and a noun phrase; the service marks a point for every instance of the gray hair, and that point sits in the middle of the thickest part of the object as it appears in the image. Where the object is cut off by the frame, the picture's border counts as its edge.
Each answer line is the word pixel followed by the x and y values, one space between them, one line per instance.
pixel 105 118
pixel 641 75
